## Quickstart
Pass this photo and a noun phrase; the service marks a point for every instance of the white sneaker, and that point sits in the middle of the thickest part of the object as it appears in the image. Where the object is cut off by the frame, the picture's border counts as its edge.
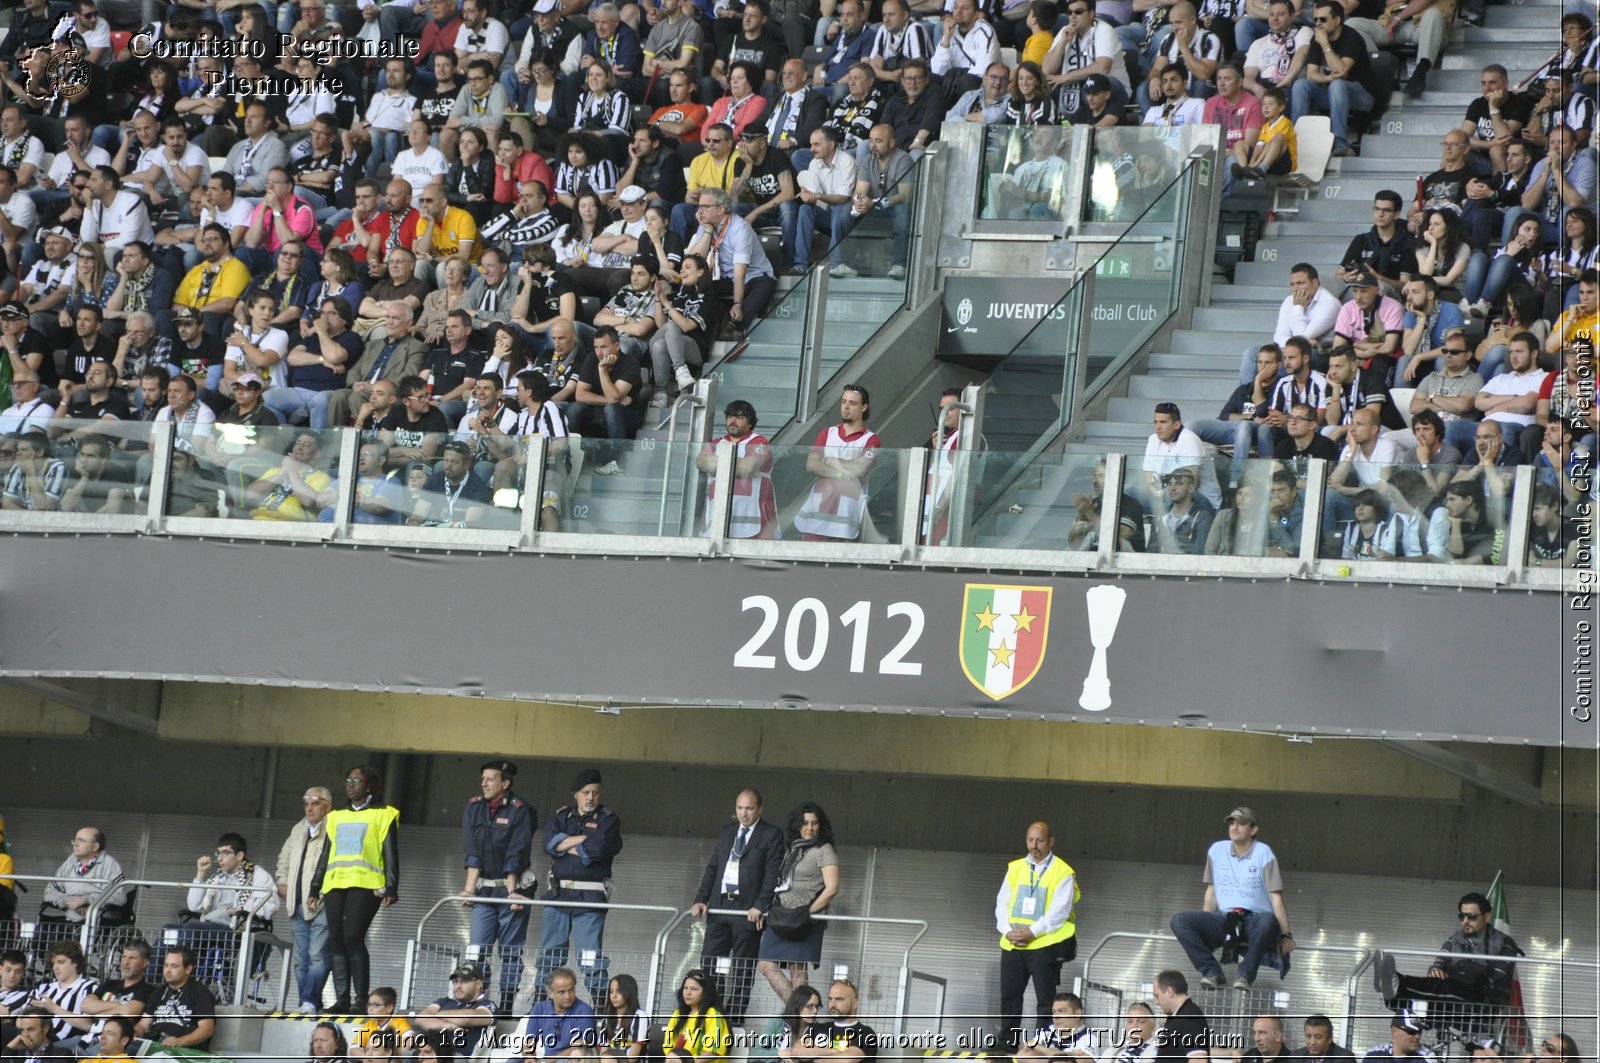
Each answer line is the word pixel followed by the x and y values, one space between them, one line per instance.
pixel 659 400
pixel 897 273
pixel 1480 309
pixel 685 378
pixel 841 271
pixel 610 468
pixel 1466 307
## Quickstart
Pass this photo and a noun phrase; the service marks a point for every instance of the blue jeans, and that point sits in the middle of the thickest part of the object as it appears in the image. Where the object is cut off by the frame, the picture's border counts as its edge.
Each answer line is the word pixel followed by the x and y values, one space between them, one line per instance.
pixel 1338 98
pixel 1487 278
pixel 310 956
pixel 385 146
pixel 494 924
pixel 814 216
pixel 1237 434
pixel 1200 934
pixel 586 928
pixel 294 403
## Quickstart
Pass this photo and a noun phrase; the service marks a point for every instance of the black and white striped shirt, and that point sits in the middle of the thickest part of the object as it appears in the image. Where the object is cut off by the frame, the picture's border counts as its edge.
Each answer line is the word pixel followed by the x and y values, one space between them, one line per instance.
pixel 1287 393
pixel 69 996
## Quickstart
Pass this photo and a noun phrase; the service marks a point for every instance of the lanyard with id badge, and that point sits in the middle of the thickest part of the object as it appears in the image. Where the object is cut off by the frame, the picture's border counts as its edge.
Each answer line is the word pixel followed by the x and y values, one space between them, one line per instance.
pixel 1030 899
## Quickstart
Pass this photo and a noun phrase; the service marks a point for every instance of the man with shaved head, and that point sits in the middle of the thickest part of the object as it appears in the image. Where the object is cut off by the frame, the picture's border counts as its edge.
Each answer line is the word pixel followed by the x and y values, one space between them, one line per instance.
pixel 741 876
pixel 1033 913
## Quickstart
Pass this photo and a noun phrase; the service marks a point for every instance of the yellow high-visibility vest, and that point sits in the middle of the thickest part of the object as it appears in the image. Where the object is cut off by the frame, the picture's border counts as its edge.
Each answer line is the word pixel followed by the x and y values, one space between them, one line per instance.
pixel 1041 888
pixel 355 853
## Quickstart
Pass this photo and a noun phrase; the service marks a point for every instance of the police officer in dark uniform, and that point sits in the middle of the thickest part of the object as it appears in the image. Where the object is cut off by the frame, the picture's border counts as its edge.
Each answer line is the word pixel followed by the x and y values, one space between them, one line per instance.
pixel 497 831
pixel 582 839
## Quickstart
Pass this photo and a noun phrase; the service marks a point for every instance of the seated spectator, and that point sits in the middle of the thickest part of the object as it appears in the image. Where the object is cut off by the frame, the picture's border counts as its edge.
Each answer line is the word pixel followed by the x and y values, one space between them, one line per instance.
pixel 481 105
pixel 317 165
pixel 1251 895
pixel 488 424
pixel 182 1014
pixel 213 287
pixel 191 419
pixel 680 116
pixel 93 401
pixel 1096 104
pixel 1085 531
pixel 1371 324
pixel 697 1025
pixel 1085 47
pixel 257 153
pixel 338 279
pixel 469 184
pixel 1563 179
pixel 1244 415
pixel 613 248
pixel 514 165
pixel 585 168
pixel 392 356
pixel 43 288
pixel 797 108
pixel 742 276
pixel 289 491
pixel 1512 397
pixel 442 232
pixel 1066 1037
pixel 826 188
pixel 489 299
pixel 854 113
pixel 882 189
pixel 1446 187
pixel 28 348
pixel 1320 1046
pixel 850 48
pixel 680 341
pixel 29 413
pixel 1309 312
pixel 1487 282
pixel 1351 388
pixel 281 218
pixel 546 294
pixel 1468 979
pixel 1188 46
pixel 1277 59
pixel 1493 121
pixel 32 1040
pixel 609 388
pixel 1172 446
pixel 227 892
pixel 63 995
pixel 114 1040
pixel 1367 460
pixel 241 427
pixel 564 358
pixel 456 497
pixel 1276 152
pixel 112 215
pixel 632 310
pixel 655 167
pixel 1579 318
pixel 1429 321
pixel 1182 517
pixel 420 164
pixel 1266 1033
pixel 447 297
pixel 965 50
pixel 1172 106
pixel 400 284
pixel 1302 441
pixel 36 481
pixel 258 347
pixel 1450 394
pixel 675 42
pixel 387 117
pixel 768 181
pixel 1443 254
pixel 1566 101
pixel 560 1021
pixel 415 431
pixel 1552 540
pixel 1369 536
pixel 317 366
pixel 1422 23
pixel 1387 250
pixel 1336 70
pixel 744 105
pixel 601 109
pixel 1238 113
pixel 915 113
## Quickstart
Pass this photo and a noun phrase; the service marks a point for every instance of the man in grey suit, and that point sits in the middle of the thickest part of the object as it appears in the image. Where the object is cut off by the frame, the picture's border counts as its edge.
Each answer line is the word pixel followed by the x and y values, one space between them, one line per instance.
pixel 384 358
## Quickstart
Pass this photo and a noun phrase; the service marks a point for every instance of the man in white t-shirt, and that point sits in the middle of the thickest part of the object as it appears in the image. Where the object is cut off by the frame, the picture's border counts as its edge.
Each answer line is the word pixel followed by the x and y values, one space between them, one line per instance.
pixel 1513 397
pixel 113 215
pixel 77 153
pixel 1366 461
pixel 18 218
pixel 19 149
pixel 1173 446
pixel 96 31
pixel 1277 59
pixel 420 164
pixel 1086 45
pixel 387 119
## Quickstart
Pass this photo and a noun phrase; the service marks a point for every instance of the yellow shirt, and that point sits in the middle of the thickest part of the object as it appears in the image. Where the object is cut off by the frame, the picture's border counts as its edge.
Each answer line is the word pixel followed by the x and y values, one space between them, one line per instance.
pixel 1037 47
pixel 456 227
pixel 283 504
pixel 232 279
pixel 1281 126
pixel 699 1033
pixel 395 1024
pixel 1573 323
pixel 706 172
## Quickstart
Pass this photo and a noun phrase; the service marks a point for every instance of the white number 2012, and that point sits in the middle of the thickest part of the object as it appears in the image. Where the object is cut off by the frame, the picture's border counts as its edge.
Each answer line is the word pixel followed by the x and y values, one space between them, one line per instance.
pixel 806 635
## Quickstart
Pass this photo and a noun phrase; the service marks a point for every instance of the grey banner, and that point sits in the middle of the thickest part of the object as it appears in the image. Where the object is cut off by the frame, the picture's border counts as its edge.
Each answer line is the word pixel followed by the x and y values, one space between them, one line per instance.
pixel 1227 653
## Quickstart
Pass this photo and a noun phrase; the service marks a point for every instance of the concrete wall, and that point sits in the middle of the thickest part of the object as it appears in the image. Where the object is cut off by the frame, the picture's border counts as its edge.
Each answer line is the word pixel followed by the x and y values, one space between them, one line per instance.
pixel 1466 837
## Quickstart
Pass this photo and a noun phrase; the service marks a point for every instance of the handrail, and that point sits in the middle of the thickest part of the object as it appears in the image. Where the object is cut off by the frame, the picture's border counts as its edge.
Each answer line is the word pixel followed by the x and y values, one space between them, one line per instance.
pixel 904 987
pixel 1548 961
pixel 416 942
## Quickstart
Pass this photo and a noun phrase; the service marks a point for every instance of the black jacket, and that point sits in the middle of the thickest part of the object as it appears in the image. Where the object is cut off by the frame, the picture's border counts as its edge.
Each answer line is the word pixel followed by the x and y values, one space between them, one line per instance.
pixel 758 868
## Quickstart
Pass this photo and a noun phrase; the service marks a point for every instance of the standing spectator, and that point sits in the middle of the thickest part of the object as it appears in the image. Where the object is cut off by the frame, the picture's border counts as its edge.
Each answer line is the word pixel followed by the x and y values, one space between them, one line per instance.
pixel 359 873
pixel 1241 875
pixel 1337 67
pixel 582 839
pixel 497 832
pixel 1185 1034
pixel 742 874
pixel 302 851
pixel 811 871
pixel 1033 914
pixel 841 459
pixel 753 513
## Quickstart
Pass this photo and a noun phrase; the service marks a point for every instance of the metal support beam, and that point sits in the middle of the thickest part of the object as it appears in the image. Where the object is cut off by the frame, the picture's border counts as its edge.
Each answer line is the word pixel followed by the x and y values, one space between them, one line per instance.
pixel 94 707
pixel 1474 772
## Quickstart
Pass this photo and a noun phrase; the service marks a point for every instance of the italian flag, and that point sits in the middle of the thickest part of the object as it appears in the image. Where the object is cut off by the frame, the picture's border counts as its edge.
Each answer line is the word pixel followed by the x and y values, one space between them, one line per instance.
pixel 1004 636
pixel 1518 1035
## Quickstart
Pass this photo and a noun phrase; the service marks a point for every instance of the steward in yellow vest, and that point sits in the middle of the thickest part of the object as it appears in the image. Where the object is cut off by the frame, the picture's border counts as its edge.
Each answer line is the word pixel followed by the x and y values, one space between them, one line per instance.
pixel 1034 915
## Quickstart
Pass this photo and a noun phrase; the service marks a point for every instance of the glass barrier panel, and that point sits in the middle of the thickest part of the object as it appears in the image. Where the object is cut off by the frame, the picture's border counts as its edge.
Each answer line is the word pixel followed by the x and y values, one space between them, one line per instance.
pixel 459 480
pixel 1052 503
pixel 764 370
pixel 73 466
pixel 1260 517
pixel 251 472
pixel 835 491
pixel 1399 511
pixel 627 487
pixel 1025 173
pixel 1131 166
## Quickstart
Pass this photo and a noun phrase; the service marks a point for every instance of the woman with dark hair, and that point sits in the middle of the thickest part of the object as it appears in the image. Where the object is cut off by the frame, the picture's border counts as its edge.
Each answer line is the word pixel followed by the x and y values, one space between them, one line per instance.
pixel 1488 279
pixel 1521 314
pixel 541 99
pixel 359 872
pixel 339 272
pixel 584 165
pixel 469 184
pixel 743 104
pixel 809 881
pixel 660 243
pixel 800 1026
pixel 1563 264
pixel 1369 537
pixel 697 1025
pixel 679 341
pixel 573 241
pixel 508 356
pixel 433 1046
pixel 1557 1048
pixel 328 1044
pixel 622 1022
pixel 1443 253
pixel 1033 103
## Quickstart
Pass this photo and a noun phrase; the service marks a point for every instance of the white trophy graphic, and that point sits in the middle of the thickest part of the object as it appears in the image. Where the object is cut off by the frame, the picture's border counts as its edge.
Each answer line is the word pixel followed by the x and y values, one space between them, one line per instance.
pixel 1105 609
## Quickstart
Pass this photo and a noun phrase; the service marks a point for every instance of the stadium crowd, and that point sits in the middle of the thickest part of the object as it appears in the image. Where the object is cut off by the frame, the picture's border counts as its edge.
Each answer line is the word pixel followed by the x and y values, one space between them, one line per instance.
pixel 760 890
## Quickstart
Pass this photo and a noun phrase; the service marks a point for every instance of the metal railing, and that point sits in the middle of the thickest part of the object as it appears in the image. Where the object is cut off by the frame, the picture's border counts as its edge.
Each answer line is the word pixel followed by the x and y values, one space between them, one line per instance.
pixel 903 985
pixel 416 946
pixel 1232 1012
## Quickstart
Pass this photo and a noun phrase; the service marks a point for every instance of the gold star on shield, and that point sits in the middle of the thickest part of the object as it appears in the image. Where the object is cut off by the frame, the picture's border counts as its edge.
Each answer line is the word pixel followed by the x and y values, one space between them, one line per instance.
pixel 986 618
pixel 1002 655
pixel 1024 620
